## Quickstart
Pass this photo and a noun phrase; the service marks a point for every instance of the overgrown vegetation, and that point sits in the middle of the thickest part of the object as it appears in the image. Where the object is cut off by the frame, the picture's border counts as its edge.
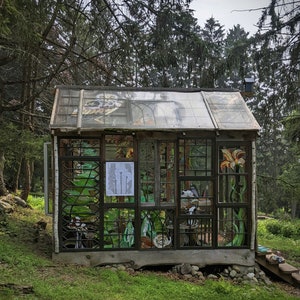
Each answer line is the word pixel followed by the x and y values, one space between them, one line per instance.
pixel 147 44
pixel 25 261
pixel 282 235
pixel 36 202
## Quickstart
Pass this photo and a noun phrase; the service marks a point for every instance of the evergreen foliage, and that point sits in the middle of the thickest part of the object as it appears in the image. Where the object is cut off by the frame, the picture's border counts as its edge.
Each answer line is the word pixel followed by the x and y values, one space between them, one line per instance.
pixel 147 44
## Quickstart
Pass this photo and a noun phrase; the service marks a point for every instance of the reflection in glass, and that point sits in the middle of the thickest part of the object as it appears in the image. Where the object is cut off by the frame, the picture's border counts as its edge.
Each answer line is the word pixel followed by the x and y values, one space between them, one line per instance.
pixel 147 171
pixel 197 194
pixel 79 147
pixel 195 157
pixel 119 230
pixel 118 147
pixel 232 227
pixel 167 172
pixel 157 229
pixel 80 204
pixel 195 232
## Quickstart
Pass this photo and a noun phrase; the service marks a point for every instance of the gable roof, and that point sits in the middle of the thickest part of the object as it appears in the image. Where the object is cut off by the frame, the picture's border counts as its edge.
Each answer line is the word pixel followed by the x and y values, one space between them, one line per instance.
pixel 100 108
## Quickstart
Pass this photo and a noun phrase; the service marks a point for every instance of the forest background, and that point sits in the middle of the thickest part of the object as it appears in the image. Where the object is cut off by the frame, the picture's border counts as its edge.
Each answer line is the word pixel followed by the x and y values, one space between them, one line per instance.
pixel 153 43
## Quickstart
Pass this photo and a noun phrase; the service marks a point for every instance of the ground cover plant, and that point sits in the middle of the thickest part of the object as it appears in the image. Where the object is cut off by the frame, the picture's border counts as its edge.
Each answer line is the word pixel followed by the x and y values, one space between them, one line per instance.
pixel 282 235
pixel 27 271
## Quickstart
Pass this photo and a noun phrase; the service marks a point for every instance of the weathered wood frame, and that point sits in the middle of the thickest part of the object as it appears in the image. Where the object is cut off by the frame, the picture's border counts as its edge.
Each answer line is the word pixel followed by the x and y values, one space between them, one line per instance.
pixel 138 258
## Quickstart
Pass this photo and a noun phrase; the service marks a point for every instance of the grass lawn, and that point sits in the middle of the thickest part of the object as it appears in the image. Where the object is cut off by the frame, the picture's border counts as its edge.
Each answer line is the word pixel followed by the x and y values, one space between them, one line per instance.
pixel 25 262
pixel 283 236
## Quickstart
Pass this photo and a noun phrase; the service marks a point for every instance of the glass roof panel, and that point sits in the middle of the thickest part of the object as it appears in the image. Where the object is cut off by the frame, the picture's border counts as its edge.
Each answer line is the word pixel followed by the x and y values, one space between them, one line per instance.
pixel 230 111
pixel 99 108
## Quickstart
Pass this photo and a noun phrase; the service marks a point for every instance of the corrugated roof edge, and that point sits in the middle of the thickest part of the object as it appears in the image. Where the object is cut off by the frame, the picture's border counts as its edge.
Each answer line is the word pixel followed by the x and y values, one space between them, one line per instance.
pixel 91 87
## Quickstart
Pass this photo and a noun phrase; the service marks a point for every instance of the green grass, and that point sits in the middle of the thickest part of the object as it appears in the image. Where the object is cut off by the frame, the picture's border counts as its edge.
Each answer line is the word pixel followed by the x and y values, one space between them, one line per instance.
pixel 281 235
pixel 25 261
pixel 36 202
pixel 73 282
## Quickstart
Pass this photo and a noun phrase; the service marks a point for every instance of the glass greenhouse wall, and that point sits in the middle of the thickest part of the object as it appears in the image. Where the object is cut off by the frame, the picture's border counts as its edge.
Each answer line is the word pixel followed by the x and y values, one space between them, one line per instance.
pixel 153 176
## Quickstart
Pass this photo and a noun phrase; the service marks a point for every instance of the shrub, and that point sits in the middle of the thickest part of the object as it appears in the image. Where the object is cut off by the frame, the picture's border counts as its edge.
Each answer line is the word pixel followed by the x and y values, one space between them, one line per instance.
pixel 36 202
pixel 288 230
pixel 282 215
pixel 261 228
pixel 274 226
pixel 297 231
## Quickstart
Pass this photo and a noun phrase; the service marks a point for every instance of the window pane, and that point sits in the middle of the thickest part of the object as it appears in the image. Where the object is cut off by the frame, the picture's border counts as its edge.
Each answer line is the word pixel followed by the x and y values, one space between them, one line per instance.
pixel 80 203
pixel 119 228
pixel 233 189
pixel 79 147
pixel 118 199
pixel 167 172
pixel 232 159
pixel 195 157
pixel 147 171
pixel 118 147
pixel 157 229
pixel 232 230
pixel 233 177
pixel 196 197
pixel 79 189
pixel 195 232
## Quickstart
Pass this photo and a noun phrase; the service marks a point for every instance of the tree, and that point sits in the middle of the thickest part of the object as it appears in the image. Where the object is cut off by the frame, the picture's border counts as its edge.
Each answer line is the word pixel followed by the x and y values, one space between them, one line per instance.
pixel 140 43
pixel 291 170
pixel 38 49
pixel 213 36
pixel 276 58
pixel 278 32
pixel 237 52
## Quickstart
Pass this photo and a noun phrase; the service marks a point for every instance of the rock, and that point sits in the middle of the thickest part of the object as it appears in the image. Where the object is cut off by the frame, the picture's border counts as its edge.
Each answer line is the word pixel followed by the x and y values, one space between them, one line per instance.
pixel 8 198
pixel 202 278
pixel 195 268
pixel 6 207
pixel 193 272
pixel 262 274
pixel 251 275
pixel 238 280
pixel 130 270
pixel 121 268
pixel 199 274
pixel 233 273
pixel 212 276
pixel 185 269
pixel 267 281
pixel 236 268
pixel 24 289
pixel 254 279
pixel 225 272
pixel 19 201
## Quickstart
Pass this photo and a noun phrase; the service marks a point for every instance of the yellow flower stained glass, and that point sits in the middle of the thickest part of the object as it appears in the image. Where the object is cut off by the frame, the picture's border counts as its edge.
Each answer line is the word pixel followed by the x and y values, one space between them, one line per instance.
pixel 232 158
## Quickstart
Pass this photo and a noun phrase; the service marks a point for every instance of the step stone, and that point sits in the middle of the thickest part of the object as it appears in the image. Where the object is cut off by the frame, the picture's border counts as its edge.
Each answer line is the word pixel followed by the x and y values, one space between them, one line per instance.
pixel 296 277
pixel 287 268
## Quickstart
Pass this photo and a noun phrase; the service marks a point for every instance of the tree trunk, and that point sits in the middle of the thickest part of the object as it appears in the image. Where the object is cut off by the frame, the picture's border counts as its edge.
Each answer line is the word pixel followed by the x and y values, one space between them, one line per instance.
pixel 294 206
pixel 27 179
pixel 3 190
pixel 15 182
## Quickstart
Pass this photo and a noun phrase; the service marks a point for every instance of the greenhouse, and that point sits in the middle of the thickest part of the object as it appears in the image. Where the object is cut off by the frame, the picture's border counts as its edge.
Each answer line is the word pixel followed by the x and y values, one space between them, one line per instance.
pixel 153 176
